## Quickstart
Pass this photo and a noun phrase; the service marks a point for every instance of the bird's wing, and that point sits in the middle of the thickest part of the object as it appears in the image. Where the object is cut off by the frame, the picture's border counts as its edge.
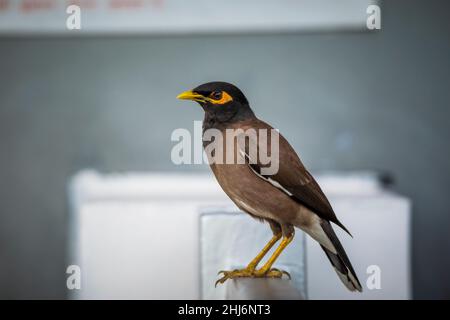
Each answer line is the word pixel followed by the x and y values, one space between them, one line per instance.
pixel 292 177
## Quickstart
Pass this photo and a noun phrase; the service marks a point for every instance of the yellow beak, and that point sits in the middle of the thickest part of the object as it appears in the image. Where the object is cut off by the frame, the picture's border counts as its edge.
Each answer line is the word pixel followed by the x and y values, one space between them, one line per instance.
pixel 189 95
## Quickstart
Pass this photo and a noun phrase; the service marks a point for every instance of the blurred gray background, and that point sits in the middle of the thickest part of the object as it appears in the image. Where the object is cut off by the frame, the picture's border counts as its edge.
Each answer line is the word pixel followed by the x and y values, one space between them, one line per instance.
pixel 346 101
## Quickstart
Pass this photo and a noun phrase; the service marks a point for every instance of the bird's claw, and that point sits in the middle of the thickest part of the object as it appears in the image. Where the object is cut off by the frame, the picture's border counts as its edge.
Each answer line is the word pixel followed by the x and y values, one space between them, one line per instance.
pixel 246 273
pixel 276 273
pixel 225 272
pixel 233 274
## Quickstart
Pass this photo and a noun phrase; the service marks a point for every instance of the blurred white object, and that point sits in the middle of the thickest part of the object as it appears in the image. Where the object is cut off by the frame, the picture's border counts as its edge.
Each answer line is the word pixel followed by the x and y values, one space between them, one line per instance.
pixel 184 17
pixel 261 289
pixel 230 240
pixel 380 225
pixel 138 236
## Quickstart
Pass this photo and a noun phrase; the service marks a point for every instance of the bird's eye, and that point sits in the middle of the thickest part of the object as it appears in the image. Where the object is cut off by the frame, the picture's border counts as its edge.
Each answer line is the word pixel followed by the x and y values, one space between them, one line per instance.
pixel 216 95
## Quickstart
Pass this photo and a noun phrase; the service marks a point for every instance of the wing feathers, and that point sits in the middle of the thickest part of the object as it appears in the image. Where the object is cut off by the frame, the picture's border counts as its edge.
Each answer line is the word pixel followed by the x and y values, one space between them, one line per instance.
pixel 293 178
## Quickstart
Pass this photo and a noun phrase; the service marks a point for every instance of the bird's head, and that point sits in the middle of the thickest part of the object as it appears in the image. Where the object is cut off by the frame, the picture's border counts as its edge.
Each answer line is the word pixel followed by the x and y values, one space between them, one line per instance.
pixel 220 99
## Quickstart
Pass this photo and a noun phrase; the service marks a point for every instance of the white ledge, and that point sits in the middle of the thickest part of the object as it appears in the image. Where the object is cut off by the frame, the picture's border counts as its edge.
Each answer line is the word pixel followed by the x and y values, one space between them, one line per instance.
pixel 261 289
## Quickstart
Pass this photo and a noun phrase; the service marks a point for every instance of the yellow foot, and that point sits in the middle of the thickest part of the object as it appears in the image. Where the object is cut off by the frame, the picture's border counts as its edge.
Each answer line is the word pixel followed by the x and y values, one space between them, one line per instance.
pixel 272 273
pixel 247 273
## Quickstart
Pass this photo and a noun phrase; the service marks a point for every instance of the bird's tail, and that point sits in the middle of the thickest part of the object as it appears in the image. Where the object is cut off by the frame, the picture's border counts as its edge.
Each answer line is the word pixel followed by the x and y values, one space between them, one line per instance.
pixel 340 261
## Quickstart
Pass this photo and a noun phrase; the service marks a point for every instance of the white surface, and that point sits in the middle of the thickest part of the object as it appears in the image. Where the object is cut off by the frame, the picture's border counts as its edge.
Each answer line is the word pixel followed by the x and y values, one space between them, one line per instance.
pixel 380 225
pixel 230 241
pixel 261 289
pixel 187 16
pixel 137 235
pixel 137 255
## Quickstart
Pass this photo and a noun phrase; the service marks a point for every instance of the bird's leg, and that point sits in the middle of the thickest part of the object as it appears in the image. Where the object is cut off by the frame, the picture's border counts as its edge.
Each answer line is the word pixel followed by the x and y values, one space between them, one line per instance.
pixel 249 271
pixel 266 270
pixel 252 265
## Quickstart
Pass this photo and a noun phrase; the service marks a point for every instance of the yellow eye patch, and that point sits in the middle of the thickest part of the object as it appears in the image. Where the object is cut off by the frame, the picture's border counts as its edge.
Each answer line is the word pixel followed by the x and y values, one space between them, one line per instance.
pixel 224 98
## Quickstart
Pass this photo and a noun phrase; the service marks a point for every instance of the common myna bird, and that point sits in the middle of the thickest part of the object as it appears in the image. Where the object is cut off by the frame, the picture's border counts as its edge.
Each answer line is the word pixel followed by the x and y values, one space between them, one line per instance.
pixel 286 198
